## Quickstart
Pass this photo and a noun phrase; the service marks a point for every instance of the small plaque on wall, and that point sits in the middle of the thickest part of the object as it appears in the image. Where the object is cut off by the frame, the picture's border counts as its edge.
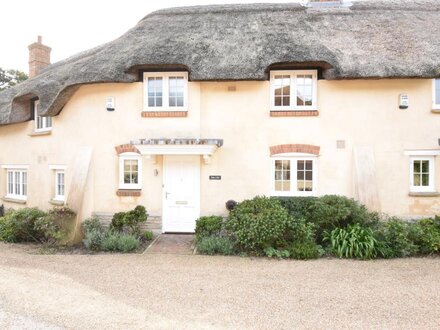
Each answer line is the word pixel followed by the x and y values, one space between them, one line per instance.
pixel 215 177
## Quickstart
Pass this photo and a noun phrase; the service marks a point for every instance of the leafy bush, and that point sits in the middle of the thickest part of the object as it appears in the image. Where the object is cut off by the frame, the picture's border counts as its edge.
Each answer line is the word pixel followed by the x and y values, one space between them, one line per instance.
pixel 394 235
pixel 257 224
pixel 275 253
pixel 130 221
pixel 298 207
pixel 305 250
pixel 208 226
pixel 331 211
pixel 215 245
pixel 148 235
pixel 94 234
pixel 120 242
pixel 425 234
pixel 353 242
pixel 31 225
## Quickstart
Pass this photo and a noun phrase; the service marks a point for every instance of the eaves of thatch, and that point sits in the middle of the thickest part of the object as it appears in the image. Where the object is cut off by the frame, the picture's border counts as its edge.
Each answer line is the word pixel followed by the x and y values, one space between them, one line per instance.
pixel 369 40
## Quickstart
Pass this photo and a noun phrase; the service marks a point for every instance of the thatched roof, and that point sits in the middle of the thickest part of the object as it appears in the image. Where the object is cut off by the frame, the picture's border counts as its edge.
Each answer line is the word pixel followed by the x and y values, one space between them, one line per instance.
pixel 371 39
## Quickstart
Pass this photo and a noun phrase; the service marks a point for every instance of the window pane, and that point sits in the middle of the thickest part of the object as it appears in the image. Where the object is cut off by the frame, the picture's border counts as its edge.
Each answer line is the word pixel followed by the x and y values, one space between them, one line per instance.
pixel 437 91
pixel 300 175
pixel 278 165
pixel 425 166
pixel 282 90
pixel 154 91
pixel 176 91
pixel 417 166
pixel 300 185
pixel 308 186
pixel 286 186
pixel 300 164
pixel 309 175
pixel 278 175
pixel 278 186
pixel 309 164
pixel 425 180
pixel 416 179
pixel 24 184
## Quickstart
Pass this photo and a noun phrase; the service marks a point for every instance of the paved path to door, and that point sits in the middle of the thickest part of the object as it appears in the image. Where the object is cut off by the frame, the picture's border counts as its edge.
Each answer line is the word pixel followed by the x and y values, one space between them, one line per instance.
pixel 172 244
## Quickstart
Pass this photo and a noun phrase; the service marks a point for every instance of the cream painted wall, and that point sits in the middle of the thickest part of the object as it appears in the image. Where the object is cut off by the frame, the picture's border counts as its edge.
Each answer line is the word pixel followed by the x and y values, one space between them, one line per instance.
pixel 363 113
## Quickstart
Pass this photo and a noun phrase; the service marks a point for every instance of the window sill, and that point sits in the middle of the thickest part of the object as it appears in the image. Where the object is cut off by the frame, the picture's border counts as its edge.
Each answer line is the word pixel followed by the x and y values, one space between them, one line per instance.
pixel 14 200
pixel 57 202
pixel 424 194
pixel 40 133
pixel 294 113
pixel 435 110
pixel 128 192
pixel 164 114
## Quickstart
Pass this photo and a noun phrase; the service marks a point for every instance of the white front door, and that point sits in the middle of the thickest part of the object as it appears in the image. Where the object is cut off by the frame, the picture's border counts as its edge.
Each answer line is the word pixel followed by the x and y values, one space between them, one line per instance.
pixel 181 193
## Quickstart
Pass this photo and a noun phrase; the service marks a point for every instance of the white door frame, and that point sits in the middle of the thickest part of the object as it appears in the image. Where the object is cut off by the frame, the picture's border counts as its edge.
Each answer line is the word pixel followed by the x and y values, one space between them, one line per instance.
pixel 164 188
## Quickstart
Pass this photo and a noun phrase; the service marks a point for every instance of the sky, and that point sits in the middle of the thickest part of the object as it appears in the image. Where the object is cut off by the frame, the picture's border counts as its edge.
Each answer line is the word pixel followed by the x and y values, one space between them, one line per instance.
pixel 74 26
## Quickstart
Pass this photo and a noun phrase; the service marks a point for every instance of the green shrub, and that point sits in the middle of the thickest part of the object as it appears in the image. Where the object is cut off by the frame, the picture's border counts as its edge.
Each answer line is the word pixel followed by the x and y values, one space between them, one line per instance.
pixel 331 211
pixel 305 250
pixel 31 225
pixel 257 224
pixel 208 226
pixel 215 245
pixel 130 221
pixel 353 242
pixel 275 253
pixel 94 234
pixel 298 207
pixel 120 242
pixel 394 235
pixel 148 235
pixel 425 234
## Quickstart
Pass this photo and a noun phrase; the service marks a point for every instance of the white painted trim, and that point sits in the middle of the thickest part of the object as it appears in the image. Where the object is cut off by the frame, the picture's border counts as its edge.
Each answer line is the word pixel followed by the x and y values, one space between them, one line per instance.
pixel 293 90
pixel 14 195
pixel 44 120
pixel 293 157
pixel 58 167
pixel 15 167
pixel 183 149
pixel 435 106
pixel 130 156
pixel 164 192
pixel 165 90
pixel 429 152
pixel 431 187
pixel 57 197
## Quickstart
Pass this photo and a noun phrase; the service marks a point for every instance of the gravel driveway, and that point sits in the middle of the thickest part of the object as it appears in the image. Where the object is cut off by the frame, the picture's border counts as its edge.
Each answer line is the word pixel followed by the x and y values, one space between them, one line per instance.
pixel 171 291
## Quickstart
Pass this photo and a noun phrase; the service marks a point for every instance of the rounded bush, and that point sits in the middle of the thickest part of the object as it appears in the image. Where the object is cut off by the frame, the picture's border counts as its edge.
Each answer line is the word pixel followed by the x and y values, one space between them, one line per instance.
pixel 208 226
pixel 257 224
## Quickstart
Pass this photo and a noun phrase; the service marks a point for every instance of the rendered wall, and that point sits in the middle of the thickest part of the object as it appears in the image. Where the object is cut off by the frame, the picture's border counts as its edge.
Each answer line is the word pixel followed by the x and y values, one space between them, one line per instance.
pixel 363 113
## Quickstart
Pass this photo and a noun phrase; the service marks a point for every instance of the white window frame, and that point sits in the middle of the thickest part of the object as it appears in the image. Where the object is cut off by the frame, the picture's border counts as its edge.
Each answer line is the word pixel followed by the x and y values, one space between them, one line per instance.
pixel 165 90
pixel 58 196
pixel 19 190
pixel 46 122
pixel 293 158
pixel 130 156
pixel 431 187
pixel 293 90
pixel 435 105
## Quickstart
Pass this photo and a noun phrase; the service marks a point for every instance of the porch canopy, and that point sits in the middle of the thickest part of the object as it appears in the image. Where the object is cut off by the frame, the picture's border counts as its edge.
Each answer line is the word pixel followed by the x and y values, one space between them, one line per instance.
pixel 178 146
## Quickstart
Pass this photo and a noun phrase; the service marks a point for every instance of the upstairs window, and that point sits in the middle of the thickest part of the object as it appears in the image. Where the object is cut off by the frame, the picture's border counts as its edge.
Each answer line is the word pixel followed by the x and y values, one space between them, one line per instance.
pixel 165 91
pixel 130 171
pixel 42 124
pixel 436 94
pixel 294 175
pixel 293 90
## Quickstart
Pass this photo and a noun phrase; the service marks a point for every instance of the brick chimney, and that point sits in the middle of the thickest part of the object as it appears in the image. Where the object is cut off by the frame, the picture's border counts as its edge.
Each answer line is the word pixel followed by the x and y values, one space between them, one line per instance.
pixel 39 57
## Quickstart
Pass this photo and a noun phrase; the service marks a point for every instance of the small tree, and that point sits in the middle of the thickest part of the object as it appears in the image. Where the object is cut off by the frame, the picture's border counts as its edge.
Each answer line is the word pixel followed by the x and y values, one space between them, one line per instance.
pixel 9 78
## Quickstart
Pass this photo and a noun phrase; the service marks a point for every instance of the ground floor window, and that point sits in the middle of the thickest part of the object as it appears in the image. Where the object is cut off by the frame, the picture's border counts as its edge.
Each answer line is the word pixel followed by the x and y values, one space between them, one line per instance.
pixel 59 185
pixel 294 176
pixel 130 171
pixel 16 183
pixel 422 174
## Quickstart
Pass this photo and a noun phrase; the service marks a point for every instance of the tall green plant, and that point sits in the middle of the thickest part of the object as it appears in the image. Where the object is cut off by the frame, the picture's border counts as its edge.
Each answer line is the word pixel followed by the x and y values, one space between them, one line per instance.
pixel 352 242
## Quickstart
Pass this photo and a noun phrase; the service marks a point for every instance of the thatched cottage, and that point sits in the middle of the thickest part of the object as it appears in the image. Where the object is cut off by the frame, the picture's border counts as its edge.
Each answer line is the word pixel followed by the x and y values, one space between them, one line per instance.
pixel 196 106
